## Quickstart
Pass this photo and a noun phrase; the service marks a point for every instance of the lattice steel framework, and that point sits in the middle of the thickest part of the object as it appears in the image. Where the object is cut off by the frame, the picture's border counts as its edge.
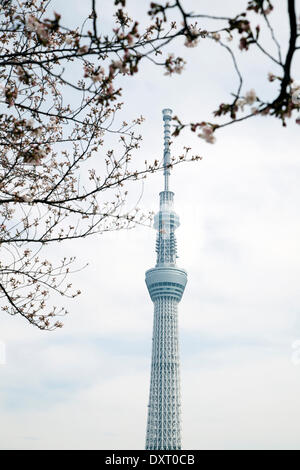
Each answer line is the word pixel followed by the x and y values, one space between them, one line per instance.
pixel 166 284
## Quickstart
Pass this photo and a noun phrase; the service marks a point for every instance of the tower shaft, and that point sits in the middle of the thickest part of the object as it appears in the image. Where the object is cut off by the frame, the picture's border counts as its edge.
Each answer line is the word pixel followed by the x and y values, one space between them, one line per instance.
pixel 164 414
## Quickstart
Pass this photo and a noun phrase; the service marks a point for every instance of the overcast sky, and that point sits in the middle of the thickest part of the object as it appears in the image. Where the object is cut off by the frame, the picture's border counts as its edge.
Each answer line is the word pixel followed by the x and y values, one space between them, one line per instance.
pixel 86 386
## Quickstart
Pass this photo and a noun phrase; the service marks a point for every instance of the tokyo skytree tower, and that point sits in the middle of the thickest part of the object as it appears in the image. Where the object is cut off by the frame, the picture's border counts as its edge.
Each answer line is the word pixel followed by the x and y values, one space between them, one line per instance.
pixel 165 283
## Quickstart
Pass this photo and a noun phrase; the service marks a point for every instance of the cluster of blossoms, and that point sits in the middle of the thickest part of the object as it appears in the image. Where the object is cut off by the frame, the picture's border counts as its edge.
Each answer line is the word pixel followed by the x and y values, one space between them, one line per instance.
pixel 259 6
pixel 174 64
pixel 250 98
pixel 38 131
pixel 95 74
pixel 231 109
pixel 34 25
pixel 193 34
pixel 34 156
pixel 120 65
pixel 207 133
pixel 10 93
pixel 216 36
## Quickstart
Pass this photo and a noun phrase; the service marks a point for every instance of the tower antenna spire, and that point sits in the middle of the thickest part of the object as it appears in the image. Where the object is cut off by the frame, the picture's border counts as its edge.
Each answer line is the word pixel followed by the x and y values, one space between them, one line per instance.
pixel 167 115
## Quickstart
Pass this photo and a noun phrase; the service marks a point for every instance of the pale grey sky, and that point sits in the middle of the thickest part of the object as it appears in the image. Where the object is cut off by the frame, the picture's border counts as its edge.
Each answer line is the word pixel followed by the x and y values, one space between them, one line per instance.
pixel 86 386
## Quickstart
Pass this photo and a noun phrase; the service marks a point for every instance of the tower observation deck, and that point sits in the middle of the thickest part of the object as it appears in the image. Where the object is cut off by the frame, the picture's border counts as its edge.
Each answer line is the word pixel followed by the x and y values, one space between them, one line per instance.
pixel 166 283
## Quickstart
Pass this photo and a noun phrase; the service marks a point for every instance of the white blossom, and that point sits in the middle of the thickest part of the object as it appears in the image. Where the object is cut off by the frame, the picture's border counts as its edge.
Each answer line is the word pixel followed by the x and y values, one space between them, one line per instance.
pixel 39 131
pixel 296 97
pixel 241 103
pixel 295 86
pixel 27 198
pixel 216 36
pixel 69 40
pixel 30 123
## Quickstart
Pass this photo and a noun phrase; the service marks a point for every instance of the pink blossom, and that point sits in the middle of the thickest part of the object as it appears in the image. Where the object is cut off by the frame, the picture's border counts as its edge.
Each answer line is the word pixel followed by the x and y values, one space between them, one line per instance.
pixel 207 135
pixel 250 96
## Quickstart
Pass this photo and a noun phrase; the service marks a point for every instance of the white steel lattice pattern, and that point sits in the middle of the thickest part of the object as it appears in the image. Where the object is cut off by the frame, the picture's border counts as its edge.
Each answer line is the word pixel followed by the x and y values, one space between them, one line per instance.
pixel 164 413
pixel 166 283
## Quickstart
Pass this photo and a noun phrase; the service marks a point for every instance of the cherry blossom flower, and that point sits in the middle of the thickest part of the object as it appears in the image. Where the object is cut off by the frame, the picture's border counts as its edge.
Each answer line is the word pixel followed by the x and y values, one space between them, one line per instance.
pixel 30 122
pixel 295 91
pixel 192 39
pixel 31 23
pixel 191 42
pixel 38 131
pixel 241 103
pixel 250 96
pixel 216 36
pixel 207 134
pixel 27 198
pixel 69 40
pixel 296 97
